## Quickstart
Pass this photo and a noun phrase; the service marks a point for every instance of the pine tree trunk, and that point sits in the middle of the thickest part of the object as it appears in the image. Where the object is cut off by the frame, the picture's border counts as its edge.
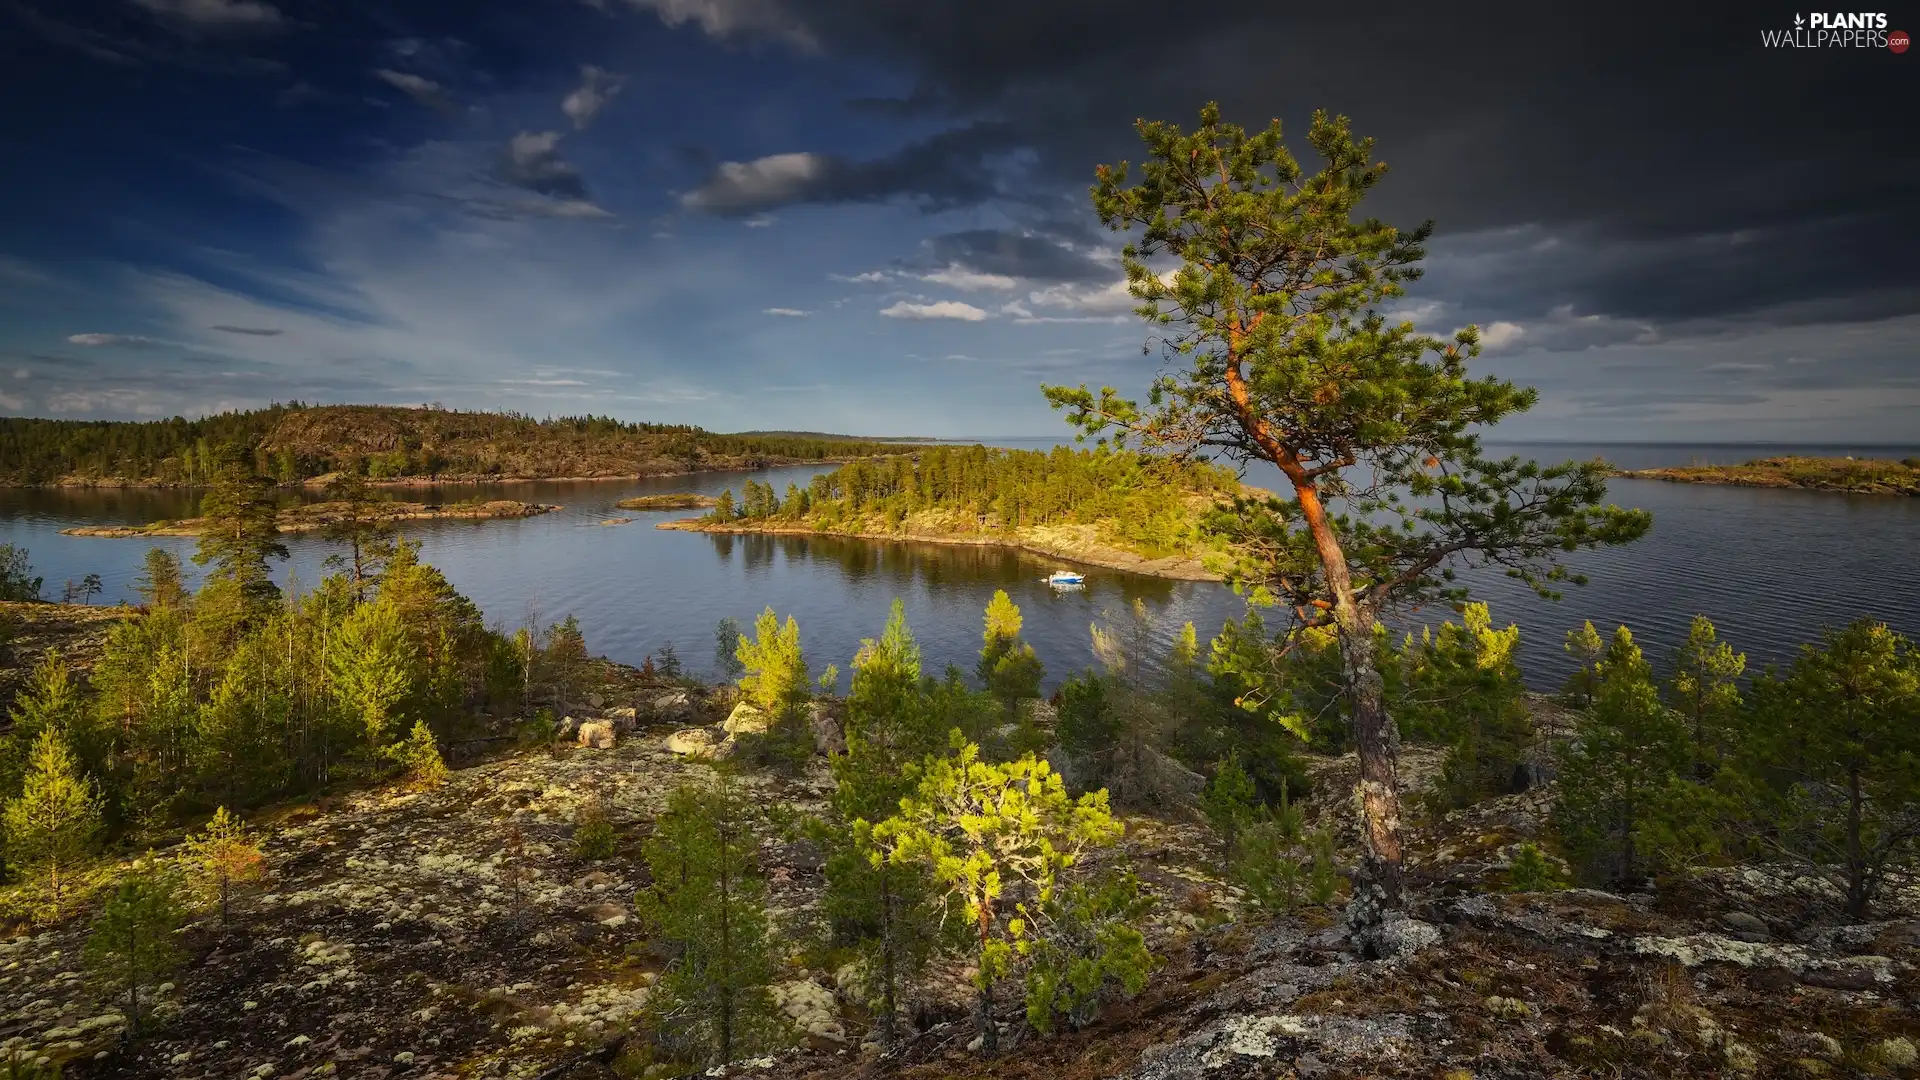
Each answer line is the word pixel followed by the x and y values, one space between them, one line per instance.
pixel 1378 790
pixel 886 1023
pixel 983 1007
pixel 1856 858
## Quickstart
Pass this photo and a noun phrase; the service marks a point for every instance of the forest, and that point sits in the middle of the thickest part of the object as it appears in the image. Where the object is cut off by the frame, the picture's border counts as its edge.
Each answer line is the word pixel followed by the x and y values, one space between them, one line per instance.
pixel 294 442
pixel 1149 505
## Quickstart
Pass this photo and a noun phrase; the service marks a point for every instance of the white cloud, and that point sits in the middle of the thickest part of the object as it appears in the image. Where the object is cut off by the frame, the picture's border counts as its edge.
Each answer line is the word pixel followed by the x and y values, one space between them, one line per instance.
pixel 133 341
pixel 598 87
pixel 1499 335
pixel 1738 365
pixel 742 185
pixel 942 309
pixel 423 90
pixel 791 313
pixel 760 221
pixel 227 15
pixel 959 277
pixel 8 401
pixel 868 278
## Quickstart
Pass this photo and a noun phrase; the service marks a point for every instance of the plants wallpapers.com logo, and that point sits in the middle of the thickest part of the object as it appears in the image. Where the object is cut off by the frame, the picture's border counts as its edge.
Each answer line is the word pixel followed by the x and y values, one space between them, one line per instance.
pixel 1838 29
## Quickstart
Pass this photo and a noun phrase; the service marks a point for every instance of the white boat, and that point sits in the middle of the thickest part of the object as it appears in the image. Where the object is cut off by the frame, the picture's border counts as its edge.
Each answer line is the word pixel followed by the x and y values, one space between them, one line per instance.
pixel 1066 577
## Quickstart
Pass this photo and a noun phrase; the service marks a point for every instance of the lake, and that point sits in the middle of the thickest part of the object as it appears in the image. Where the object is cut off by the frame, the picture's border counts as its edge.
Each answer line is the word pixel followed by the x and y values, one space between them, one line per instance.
pixel 1769 567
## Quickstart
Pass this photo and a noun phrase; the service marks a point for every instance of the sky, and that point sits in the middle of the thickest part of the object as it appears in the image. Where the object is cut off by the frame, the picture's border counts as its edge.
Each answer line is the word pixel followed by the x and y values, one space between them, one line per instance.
pixel 872 216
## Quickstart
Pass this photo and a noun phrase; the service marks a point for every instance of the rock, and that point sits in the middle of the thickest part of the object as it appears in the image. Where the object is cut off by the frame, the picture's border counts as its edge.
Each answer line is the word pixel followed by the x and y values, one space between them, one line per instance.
pixel 622 718
pixel 606 914
pixel 596 701
pixel 1747 927
pixel 693 742
pixel 1396 936
pixel 597 734
pixel 1898 1052
pixel 746 719
pixel 828 737
pixel 670 706
pixel 812 1009
pixel 565 725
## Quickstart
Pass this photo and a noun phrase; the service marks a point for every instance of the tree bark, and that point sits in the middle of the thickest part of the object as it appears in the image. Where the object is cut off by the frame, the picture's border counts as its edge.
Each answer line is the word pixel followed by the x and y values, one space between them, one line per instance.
pixel 1378 790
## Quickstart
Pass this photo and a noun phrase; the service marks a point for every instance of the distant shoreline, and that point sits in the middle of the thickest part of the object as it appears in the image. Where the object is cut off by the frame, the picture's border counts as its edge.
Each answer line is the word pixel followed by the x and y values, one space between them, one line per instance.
pixel 1069 544
pixel 318 516
pixel 1849 476
pixel 459 480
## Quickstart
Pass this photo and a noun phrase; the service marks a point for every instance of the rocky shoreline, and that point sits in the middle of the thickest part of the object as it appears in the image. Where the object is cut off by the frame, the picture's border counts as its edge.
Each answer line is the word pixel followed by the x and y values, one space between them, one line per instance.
pixel 316 516
pixel 1069 543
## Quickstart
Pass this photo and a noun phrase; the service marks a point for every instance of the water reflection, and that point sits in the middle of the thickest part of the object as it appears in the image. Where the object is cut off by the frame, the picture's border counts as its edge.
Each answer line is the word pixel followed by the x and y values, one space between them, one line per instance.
pixel 1770 567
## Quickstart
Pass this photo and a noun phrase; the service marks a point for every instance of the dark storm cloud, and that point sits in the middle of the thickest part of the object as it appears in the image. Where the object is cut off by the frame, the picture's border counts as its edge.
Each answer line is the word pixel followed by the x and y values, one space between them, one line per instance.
pixel 1700 173
pixel 1015 255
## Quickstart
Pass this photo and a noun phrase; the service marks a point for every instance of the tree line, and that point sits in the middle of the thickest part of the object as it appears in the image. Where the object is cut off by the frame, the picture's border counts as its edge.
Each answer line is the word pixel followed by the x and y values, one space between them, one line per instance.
pixel 1140 501
pixel 295 441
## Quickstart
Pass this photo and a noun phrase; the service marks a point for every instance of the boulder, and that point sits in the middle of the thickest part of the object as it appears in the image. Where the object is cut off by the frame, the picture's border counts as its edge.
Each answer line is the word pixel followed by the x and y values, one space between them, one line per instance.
pixel 747 719
pixel 596 701
pixel 1746 927
pixel 811 1008
pixel 597 734
pixel 670 706
pixel 565 726
pixel 828 737
pixel 622 718
pixel 693 742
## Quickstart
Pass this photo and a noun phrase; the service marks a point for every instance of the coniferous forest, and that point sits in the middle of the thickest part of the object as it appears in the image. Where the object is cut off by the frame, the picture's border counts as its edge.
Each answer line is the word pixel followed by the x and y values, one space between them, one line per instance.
pixel 294 442
pixel 1148 505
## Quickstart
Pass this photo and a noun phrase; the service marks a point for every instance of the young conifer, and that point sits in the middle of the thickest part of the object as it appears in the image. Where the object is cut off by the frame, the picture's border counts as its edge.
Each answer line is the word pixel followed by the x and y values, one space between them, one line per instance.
pixel 51 826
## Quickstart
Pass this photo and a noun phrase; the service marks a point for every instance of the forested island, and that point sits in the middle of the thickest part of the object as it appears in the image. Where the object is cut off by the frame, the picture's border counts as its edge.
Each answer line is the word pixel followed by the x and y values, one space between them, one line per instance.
pixel 321 516
pixel 297 443
pixel 1101 507
pixel 677 500
pixel 1858 476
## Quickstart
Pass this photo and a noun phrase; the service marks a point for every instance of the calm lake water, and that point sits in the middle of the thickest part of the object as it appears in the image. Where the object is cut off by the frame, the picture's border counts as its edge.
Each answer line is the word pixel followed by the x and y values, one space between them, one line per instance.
pixel 1769 567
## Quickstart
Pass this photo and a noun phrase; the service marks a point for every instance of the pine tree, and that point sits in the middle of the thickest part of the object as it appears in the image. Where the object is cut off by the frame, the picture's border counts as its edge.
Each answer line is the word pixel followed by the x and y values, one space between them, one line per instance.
pixel 50 701
pixel 419 756
pixel 726 651
pixel 372 665
pixel 1618 777
pixel 17 579
pixel 224 857
pixel 1706 691
pixel 1276 309
pixel 566 660
pixel 884 905
pixel 160 585
pixel 241 531
pixel 1285 867
pixel 775 678
pixel 358 527
pixel 999 839
pixel 1586 647
pixel 1229 804
pixel 51 826
pixel 1092 950
pixel 1832 759
pixel 1008 668
pixel 132 943
pixel 1462 688
pixel 707 902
